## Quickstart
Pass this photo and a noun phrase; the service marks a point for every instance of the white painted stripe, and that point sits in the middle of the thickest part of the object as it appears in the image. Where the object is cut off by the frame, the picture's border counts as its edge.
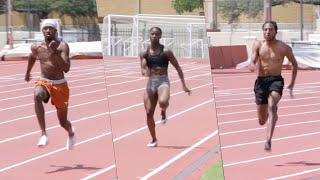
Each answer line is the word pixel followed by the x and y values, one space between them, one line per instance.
pixel 183 153
pixel 270 157
pixel 52 127
pixel 177 114
pixel 253 104
pixel 215 76
pixel 99 172
pixel 277 126
pixel 274 139
pixel 295 174
pixel 255 119
pixel 48 112
pixel 282 107
pixel 115 139
pixel 25 117
pixel 112 112
pixel 297 86
pixel 14 107
pixel 50 153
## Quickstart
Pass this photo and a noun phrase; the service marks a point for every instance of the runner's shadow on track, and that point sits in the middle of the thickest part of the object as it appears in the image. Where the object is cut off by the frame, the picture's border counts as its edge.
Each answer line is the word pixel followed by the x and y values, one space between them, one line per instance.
pixel 300 163
pixel 68 168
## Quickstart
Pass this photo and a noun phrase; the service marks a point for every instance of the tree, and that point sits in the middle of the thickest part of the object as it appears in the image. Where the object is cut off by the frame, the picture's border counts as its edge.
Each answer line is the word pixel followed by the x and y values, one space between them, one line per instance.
pixel 3 6
pixel 182 6
pixel 232 9
pixel 76 8
pixel 315 2
pixel 73 8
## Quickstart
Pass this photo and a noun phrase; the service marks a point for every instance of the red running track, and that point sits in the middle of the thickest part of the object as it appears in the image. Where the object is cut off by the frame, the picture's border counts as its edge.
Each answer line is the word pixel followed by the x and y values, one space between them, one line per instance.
pixel 106 109
pixel 295 145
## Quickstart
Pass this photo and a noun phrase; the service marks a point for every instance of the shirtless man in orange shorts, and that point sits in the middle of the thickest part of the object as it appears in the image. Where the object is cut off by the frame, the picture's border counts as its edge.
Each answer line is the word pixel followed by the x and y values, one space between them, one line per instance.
pixel 54 62
pixel 267 59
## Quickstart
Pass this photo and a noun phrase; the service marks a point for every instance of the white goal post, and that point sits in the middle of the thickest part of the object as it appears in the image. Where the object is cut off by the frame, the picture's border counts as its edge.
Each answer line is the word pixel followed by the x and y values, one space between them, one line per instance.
pixel 124 35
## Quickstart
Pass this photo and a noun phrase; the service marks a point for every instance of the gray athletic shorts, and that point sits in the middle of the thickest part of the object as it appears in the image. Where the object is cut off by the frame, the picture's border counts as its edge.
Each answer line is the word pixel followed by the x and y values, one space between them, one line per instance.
pixel 157 81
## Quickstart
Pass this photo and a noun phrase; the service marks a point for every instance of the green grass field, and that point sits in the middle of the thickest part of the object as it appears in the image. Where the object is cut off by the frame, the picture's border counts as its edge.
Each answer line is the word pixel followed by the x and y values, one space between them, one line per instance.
pixel 215 172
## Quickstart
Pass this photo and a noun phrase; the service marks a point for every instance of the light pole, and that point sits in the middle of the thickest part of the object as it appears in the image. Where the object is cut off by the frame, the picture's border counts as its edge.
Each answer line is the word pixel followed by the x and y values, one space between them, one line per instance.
pixel 138 6
pixel 10 22
pixel 29 18
pixel 301 20
pixel 7 23
pixel 267 10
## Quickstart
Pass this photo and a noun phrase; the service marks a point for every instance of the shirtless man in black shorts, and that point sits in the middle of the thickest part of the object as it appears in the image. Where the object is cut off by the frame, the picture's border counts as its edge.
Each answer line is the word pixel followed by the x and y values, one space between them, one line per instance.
pixel 154 64
pixel 267 59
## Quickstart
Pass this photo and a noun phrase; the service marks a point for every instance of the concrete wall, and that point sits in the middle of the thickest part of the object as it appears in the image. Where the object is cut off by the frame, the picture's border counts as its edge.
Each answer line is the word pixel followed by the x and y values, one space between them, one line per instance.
pixel 19 37
pixel 248 38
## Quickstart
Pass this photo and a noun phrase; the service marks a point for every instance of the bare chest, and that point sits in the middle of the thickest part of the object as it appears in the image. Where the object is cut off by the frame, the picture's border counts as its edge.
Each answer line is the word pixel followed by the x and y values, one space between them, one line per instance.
pixel 271 55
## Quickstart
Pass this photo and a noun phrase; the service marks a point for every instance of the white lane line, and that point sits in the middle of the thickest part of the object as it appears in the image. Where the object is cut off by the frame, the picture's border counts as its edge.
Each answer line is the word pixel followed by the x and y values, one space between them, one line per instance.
pixel 52 152
pixel 270 157
pixel 282 107
pixel 183 153
pixel 298 86
pixel 277 126
pixel 12 120
pixel 253 104
pixel 112 112
pixel 52 127
pixel 48 112
pixel 295 174
pixel 109 85
pixel 255 119
pixel 177 114
pixel 99 172
pixel 116 139
pixel 275 139
pixel 215 76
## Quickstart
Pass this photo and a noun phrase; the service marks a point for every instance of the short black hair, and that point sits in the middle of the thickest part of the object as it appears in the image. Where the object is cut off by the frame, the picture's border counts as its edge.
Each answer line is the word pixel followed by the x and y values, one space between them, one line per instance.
pixel 157 28
pixel 271 22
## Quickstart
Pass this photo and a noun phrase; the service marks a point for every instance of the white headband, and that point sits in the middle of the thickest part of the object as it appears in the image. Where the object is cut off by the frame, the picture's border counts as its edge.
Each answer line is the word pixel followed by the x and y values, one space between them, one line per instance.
pixel 49 23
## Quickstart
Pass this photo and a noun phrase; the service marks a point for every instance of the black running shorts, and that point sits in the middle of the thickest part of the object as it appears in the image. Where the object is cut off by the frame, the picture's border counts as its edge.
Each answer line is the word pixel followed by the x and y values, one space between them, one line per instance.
pixel 265 85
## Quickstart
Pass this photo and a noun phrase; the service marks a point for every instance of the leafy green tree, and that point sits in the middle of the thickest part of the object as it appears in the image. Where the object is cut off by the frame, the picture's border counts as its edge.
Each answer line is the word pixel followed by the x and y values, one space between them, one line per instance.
pixel 73 8
pixel 3 6
pixel 315 2
pixel 182 6
pixel 81 12
pixel 76 8
pixel 233 9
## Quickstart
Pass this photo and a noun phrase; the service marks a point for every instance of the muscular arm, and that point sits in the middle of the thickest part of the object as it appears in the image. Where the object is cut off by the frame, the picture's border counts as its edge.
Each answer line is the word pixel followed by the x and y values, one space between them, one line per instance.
pixel 294 64
pixel 143 64
pixel 254 56
pixel 62 58
pixel 176 65
pixel 31 61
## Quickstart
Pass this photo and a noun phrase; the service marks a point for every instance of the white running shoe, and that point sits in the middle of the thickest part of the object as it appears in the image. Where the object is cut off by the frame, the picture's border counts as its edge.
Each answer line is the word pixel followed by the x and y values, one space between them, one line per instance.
pixel 153 144
pixel 163 121
pixel 71 141
pixel 43 141
pixel 164 118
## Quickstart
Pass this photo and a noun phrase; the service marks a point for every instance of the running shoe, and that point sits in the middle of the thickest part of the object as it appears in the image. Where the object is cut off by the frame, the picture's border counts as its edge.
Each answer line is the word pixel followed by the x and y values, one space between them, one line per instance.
pixel 43 141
